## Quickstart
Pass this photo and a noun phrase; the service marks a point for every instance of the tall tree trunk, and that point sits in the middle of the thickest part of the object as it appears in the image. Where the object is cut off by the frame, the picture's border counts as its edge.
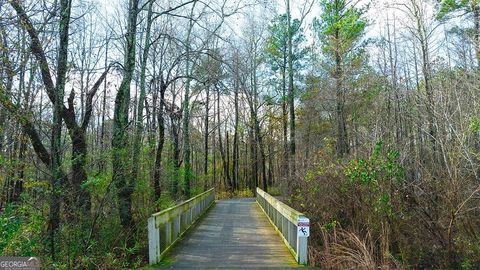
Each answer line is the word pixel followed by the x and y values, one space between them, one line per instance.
pixel 257 131
pixel 271 180
pixel 227 163
pixel 8 184
pixel 253 158
pixel 214 150
pixel 17 184
pixel 222 150
pixel 161 141
pixel 476 22
pixel 235 134
pixel 176 154
pixel 291 96
pixel 121 160
pixel 186 112
pixel 426 70
pixel 342 140
pixel 80 195
pixel 56 147
pixel 286 171
pixel 103 146
pixel 259 141
pixel 393 69
pixel 18 187
pixel 137 144
pixel 205 140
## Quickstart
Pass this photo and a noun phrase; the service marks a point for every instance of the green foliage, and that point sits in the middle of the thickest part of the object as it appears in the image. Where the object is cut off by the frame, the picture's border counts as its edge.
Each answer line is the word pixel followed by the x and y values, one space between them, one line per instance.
pixel 275 191
pixel 474 124
pixel 470 250
pixel 276 47
pixel 447 7
pixel 97 183
pixel 245 193
pixel 9 226
pixel 195 191
pixel 452 8
pixel 165 201
pixel 377 174
pixel 330 225
pixel 21 230
pixel 185 186
pixel 341 28
pixel 467 265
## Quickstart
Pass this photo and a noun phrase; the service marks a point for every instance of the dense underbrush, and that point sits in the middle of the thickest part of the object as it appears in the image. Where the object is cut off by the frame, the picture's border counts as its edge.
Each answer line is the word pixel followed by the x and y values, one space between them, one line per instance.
pixel 373 213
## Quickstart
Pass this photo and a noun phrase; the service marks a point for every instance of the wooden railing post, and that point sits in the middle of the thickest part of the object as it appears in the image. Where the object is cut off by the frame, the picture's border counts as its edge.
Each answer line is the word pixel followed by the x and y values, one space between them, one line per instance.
pixel 153 241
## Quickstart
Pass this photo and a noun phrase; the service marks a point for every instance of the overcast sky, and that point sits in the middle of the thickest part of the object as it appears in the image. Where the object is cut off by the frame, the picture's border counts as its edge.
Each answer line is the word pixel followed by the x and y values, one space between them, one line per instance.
pixel 377 14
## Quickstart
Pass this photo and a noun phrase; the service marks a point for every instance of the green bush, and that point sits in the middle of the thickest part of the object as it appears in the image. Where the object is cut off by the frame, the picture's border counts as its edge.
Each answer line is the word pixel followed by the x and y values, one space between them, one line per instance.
pixel 21 229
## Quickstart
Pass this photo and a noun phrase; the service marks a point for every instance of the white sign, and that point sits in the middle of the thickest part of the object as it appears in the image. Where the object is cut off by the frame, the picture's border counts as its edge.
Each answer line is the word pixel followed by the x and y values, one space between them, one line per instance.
pixel 303 227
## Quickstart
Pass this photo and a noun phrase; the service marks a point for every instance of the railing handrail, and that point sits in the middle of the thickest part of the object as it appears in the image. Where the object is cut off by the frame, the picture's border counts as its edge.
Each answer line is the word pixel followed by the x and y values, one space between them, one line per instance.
pixel 292 225
pixel 290 213
pixel 166 227
pixel 178 206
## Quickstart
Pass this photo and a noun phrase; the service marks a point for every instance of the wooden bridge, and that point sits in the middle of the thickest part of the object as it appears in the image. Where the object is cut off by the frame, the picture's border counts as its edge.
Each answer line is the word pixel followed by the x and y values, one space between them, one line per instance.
pixel 260 233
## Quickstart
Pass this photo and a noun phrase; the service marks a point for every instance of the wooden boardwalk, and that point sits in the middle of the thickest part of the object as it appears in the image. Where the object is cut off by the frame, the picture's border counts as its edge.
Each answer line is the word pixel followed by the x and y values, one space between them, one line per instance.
pixel 234 234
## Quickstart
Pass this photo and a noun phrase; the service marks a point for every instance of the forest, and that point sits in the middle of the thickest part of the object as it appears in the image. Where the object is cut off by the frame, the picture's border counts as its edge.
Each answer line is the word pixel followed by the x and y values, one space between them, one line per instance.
pixel 362 114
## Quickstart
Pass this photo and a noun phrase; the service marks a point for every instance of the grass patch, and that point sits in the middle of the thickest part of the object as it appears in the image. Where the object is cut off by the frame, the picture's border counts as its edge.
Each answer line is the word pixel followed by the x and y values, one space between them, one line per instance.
pixel 165 263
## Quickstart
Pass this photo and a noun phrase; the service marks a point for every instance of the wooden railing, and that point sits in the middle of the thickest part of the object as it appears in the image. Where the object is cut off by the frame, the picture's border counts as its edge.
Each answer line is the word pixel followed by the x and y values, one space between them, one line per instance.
pixel 166 227
pixel 292 225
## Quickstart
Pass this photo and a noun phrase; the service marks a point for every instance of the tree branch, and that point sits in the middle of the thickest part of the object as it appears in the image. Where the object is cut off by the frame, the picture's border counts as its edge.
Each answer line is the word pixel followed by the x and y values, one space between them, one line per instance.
pixel 37 49
pixel 90 95
pixel 25 120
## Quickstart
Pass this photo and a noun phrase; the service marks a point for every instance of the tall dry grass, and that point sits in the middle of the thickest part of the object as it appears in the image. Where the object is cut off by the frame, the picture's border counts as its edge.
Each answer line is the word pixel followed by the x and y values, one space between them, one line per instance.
pixel 344 249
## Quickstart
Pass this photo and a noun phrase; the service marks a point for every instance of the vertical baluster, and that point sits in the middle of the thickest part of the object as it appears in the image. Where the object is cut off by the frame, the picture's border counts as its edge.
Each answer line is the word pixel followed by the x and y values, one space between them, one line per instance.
pixel 168 233
pixel 190 216
pixel 176 227
pixel 183 222
pixel 294 237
